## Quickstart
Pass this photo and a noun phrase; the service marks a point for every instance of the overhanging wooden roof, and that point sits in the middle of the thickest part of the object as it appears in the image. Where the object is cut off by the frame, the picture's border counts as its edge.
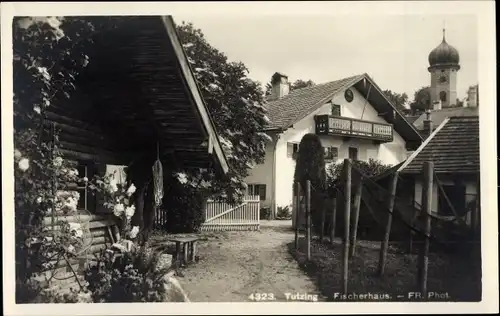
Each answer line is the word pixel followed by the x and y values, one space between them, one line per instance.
pixel 142 94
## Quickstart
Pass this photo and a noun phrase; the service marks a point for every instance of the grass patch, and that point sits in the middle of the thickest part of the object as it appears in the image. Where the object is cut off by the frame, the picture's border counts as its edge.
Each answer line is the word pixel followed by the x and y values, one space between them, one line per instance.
pixel 449 273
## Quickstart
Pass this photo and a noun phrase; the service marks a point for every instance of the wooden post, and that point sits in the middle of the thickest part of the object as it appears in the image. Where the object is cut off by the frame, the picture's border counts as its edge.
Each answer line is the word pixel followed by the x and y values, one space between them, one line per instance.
pixel 334 220
pixel 193 251
pixel 185 256
pixel 387 233
pixel 308 214
pixel 297 215
pixel 322 228
pixel 410 240
pixel 428 169
pixel 347 221
pixel 178 252
pixel 357 205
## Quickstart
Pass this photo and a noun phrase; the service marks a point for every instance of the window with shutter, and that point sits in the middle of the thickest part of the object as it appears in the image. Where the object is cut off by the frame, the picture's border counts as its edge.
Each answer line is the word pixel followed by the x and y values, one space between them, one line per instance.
pixel 336 110
pixel 87 199
pixel 353 153
pixel 257 189
pixel 295 151
pixel 331 153
pixel 262 191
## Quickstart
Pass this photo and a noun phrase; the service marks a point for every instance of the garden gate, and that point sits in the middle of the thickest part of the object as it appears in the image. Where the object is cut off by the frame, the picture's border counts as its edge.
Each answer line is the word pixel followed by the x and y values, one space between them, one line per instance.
pixel 220 216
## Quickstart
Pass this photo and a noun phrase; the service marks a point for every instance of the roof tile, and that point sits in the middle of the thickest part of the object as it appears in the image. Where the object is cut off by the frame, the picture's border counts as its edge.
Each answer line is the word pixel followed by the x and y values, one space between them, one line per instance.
pixel 453 149
pixel 299 103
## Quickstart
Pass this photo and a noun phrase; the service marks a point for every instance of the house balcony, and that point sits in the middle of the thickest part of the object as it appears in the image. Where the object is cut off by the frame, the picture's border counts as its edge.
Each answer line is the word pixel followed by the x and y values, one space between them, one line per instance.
pixel 353 128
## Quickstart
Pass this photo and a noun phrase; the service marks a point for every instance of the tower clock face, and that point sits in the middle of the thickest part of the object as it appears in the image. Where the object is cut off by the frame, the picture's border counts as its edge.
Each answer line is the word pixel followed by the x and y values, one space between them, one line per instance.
pixel 443 78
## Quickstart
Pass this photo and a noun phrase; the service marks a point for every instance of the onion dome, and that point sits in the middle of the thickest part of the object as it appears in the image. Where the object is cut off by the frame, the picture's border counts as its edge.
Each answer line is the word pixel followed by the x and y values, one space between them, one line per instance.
pixel 444 55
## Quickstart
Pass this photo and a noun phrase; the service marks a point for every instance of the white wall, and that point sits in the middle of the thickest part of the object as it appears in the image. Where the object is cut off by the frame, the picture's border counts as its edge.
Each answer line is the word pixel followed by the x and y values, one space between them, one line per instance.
pixel 263 174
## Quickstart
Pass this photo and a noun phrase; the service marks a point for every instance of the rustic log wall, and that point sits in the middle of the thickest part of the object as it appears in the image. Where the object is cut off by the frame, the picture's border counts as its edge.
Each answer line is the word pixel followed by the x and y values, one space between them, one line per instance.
pixel 102 235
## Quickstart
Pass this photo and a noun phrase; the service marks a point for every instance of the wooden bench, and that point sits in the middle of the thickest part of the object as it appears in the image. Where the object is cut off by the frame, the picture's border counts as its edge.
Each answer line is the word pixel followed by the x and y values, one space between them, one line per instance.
pixel 185 248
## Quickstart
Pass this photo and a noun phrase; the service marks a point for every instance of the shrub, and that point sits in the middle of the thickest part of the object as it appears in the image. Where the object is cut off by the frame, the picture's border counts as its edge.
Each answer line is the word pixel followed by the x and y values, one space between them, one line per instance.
pixel 185 207
pixel 371 168
pixel 265 213
pixel 310 165
pixel 131 276
pixel 36 291
pixel 284 212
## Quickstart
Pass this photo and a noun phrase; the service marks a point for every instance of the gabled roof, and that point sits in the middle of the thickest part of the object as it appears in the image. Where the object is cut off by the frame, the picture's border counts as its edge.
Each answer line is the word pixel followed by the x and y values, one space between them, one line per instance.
pixel 141 99
pixel 296 105
pixel 285 112
pixel 453 148
pixel 438 116
pixel 200 108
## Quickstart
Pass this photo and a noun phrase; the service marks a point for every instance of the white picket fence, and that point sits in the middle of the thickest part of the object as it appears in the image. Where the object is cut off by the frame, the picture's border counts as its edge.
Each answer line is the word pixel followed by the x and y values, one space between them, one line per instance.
pixel 221 216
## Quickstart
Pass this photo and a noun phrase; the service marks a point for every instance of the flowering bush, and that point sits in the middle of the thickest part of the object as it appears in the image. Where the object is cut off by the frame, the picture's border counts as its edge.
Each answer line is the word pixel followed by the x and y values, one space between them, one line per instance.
pixel 42 181
pixel 130 275
pixel 49 53
pixel 117 198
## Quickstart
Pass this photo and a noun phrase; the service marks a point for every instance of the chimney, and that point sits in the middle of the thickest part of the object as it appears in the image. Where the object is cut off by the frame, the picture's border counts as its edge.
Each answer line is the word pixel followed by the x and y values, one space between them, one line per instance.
pixel 437 105
pixel 427 123
pixel 280 87
pixel 473 96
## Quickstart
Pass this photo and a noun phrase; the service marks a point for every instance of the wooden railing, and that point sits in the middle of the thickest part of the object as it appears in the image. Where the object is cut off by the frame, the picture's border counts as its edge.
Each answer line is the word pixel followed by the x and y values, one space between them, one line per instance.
pixel 343 126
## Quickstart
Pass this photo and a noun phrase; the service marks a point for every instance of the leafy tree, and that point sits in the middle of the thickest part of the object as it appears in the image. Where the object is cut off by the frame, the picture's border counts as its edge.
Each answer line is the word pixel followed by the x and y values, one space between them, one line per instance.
pixel 236 104
pixel 298 84
pixel 421 100
pixel 398 99
pixel 310 166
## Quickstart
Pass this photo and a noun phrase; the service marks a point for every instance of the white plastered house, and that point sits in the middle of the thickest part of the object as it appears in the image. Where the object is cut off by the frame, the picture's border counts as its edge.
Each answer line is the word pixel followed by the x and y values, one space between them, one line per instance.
pixel 353 119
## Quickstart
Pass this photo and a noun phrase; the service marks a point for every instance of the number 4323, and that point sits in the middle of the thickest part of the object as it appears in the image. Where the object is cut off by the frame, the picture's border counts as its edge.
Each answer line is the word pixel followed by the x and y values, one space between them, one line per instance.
pixel 262 297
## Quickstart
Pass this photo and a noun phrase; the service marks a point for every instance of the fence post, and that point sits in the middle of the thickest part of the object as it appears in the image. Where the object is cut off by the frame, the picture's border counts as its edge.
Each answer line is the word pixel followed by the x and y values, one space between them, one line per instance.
pixel 322 228
pixel 297 214
pixel 347 214
pixel 428 170
pixel 385 243
pixel 308 214
pixel 410 239
pixel 334 220
pixel 357 205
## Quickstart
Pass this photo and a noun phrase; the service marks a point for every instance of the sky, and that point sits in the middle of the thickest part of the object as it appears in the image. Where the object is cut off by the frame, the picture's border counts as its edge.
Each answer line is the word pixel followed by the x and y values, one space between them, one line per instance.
pixel 392 49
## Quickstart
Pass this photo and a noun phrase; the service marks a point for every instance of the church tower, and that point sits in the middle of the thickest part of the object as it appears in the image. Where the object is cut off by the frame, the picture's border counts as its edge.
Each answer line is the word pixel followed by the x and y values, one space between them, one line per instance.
pixel 443 66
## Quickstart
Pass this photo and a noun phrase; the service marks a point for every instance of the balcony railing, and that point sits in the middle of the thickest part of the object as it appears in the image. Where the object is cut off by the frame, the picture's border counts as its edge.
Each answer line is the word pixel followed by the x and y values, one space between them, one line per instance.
pixel 343 126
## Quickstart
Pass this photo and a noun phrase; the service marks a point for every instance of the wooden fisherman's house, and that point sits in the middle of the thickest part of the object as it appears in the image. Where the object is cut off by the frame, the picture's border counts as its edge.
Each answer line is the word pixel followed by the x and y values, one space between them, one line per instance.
pixel 136 100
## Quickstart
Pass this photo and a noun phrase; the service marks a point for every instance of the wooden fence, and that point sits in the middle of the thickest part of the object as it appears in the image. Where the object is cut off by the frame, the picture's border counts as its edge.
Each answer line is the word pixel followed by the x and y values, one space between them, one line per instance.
pixel 220 216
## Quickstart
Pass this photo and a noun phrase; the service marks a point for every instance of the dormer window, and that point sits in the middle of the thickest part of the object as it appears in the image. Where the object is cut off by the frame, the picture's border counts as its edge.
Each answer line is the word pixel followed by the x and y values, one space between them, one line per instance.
pixel 336 110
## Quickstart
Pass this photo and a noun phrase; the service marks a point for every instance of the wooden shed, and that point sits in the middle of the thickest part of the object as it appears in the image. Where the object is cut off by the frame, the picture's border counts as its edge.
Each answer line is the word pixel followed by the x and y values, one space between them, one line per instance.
pixel 137 97
pixel 138 91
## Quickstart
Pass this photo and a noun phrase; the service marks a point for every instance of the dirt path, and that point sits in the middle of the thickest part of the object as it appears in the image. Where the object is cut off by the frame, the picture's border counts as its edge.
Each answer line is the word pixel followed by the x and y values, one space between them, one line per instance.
pixel 238 264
